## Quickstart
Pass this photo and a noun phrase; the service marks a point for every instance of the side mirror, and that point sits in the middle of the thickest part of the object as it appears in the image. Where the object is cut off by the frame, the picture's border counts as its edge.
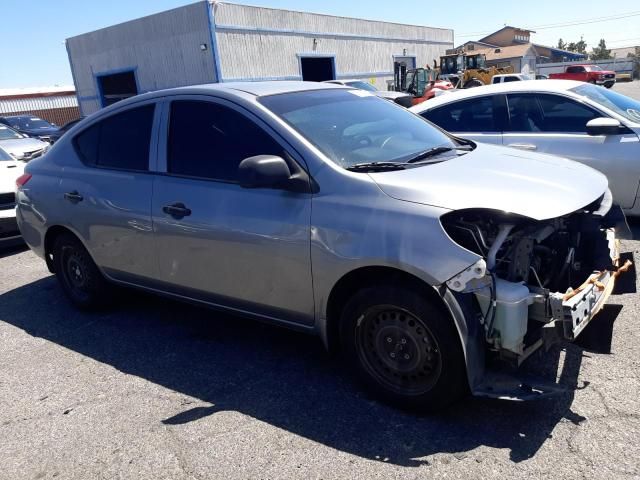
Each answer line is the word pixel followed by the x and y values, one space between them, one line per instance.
pixel 271 171
pixel 603 126
pixel 263 171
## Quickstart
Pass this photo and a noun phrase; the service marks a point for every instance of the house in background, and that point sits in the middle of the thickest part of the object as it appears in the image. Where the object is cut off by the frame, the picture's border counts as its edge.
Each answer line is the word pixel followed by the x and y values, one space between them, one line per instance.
pixel 513 46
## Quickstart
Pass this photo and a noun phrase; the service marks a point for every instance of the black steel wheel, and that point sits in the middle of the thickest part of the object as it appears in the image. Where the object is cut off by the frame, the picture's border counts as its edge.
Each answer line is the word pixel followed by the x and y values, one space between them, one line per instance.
pixel 404 348
pixel 78 275
pixel 399 350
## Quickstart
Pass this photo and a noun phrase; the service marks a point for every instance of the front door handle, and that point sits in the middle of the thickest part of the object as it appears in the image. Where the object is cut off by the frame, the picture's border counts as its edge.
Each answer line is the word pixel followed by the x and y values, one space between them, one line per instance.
pixel 523 146
pixel 73 197
pixel 177 210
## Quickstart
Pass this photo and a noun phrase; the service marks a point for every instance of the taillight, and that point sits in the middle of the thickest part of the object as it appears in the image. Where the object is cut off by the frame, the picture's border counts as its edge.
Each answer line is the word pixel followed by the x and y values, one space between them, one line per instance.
pixel 23 179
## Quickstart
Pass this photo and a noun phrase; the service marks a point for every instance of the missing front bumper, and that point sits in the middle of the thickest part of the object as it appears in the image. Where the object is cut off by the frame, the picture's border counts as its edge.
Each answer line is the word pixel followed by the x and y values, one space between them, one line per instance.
pixel 577 308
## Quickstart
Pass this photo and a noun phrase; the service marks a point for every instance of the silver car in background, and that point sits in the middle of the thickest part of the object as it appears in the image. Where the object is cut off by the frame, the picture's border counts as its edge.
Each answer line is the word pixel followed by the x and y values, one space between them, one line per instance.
pixel 576 120
pixel 20 146
pixel 401 98
pixel 427 260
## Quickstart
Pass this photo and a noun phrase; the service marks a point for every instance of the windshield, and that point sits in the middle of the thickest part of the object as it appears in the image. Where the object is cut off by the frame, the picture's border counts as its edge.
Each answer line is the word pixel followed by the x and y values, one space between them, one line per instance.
pixel 4 156
pixel 621 104
pixel 593 68
pixel 362 86
pixel 8 134
pixel 353 126
pixel 28 122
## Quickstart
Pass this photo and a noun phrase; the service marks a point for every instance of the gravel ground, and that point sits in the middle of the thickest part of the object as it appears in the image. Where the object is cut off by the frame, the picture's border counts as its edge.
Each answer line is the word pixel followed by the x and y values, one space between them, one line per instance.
pixel 154 389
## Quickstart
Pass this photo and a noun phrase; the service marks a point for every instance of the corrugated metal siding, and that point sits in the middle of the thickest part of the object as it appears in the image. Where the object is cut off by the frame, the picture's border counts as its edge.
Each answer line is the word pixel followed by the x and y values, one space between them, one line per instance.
pixel 163 48
pixel 262 43
pixel 247 16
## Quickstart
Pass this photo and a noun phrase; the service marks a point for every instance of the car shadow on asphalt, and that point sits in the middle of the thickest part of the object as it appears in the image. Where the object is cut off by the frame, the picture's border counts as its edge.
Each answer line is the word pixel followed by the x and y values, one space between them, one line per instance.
pixel 12 250
pixel 285 378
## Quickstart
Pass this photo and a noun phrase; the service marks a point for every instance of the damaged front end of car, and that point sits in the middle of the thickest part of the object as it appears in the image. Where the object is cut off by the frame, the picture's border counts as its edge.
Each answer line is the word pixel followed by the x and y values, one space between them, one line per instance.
pixel 537 282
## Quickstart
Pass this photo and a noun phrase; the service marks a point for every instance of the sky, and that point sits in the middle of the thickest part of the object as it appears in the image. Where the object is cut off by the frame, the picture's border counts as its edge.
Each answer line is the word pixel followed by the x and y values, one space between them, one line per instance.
pixel 33 51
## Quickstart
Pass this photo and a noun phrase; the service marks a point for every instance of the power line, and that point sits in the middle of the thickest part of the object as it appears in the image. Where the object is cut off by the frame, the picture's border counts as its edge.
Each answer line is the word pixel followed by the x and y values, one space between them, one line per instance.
pixel 585 22
pixel 619 16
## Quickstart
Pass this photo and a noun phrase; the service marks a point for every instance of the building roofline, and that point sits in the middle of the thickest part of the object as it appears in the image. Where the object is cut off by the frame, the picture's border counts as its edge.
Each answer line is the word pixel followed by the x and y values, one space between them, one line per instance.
pixel 560 50
pixel 215 3
pixel 505 28
pixel 329 15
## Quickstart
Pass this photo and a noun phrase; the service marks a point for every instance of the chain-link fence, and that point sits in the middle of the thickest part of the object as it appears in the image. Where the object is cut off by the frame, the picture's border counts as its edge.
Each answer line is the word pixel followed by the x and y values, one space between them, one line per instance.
pixel 58 109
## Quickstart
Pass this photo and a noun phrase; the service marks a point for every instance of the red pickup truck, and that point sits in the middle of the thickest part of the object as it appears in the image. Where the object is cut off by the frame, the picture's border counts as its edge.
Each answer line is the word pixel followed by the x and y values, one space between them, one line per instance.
pixel 587 73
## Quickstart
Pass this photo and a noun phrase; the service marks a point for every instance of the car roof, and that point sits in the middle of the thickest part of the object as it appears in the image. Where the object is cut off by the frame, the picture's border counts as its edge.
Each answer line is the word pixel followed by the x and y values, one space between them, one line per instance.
pixel 545 86
pixel 257 89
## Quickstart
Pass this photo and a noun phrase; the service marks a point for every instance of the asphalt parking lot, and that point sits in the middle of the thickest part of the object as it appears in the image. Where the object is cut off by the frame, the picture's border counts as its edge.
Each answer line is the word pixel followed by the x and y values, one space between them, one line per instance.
pixel 631 89
pixel 157 389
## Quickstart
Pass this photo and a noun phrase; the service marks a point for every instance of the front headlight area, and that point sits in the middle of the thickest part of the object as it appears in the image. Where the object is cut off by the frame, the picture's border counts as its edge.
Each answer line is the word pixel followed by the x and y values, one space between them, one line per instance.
pixel 525 263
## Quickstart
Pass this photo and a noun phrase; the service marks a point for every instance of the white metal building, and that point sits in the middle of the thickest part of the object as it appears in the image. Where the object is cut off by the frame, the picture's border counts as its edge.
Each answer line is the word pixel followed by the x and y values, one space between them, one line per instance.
pixel 212 41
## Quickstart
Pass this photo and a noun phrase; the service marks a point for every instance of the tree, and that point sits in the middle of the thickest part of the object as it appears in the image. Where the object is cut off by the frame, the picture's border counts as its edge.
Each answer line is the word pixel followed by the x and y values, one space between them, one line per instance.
pixel 600 52
pixel 562 45
pixel 578 47
pixel 635 57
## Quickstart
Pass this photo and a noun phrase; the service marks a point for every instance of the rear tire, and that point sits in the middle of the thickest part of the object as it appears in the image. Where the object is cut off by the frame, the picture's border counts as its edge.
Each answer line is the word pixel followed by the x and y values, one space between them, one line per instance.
pixel 404 349
pixel 78 275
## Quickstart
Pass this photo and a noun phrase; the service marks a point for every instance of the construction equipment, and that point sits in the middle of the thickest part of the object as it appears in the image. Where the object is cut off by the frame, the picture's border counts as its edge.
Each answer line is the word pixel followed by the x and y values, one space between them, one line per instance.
pixel 421 83
pixel 465 70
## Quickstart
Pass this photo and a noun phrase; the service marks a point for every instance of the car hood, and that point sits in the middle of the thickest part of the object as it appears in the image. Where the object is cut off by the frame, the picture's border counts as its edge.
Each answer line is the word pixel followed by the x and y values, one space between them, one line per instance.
pixel 499 178
pixel 41 131
pixel 17 146
pixel 391 95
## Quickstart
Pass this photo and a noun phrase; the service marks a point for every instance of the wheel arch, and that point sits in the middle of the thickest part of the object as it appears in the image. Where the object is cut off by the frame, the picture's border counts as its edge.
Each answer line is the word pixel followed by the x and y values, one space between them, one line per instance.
pixel 458 308
pixel 50 236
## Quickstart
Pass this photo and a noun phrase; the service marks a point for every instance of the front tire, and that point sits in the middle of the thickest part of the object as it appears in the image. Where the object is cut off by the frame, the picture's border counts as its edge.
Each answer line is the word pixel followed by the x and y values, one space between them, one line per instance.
pixel 405 349
pixel 78 275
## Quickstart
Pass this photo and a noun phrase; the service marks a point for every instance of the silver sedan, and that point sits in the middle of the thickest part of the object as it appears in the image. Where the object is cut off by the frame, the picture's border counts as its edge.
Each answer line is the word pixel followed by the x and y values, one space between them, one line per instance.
pixel 327 209
pixel 576 120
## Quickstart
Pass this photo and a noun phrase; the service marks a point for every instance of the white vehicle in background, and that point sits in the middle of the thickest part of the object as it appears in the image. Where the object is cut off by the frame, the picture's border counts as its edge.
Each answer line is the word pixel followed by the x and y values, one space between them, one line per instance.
pixel 401 98
pixel 10 170
pixel 575 120
pixel 19 145
pixel 510 77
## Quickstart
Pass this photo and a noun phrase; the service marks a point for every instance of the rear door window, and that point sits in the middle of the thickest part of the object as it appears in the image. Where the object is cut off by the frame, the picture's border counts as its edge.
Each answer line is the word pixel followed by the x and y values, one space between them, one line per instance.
pixel 209 140
pixel 473 115
pixel 120 141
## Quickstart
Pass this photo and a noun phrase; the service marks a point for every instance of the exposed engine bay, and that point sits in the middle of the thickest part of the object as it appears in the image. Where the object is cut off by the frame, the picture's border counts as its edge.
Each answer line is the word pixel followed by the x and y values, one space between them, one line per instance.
pixel 536 280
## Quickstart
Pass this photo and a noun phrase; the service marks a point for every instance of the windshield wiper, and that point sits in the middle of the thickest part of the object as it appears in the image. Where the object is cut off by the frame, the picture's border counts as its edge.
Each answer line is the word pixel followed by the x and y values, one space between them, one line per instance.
pixel 376 166
pixel 432 152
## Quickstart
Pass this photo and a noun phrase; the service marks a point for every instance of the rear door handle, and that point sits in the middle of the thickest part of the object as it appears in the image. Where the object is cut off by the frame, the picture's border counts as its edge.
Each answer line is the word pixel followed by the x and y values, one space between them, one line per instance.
pixel 523 146
pixel 74 196
pixel 177 210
